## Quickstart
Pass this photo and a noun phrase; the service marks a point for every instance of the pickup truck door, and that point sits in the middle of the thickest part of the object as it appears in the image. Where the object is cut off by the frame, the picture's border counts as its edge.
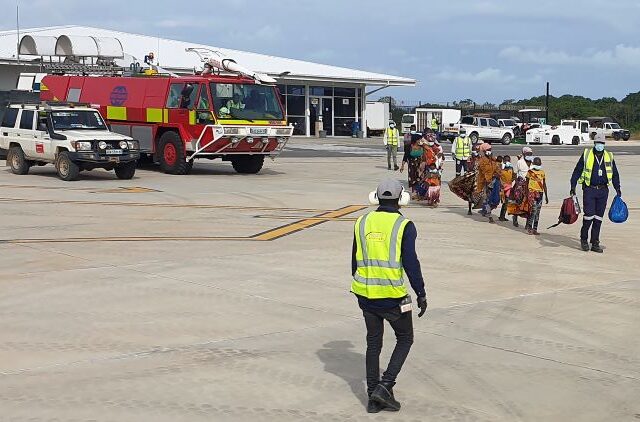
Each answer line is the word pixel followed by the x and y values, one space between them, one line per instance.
pixel 483 129
pixel 42 139
pixel 494 128
pixel 24 132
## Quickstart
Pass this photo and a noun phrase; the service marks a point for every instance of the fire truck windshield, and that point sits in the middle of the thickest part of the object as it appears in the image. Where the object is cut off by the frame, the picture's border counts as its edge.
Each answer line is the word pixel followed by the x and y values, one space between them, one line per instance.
pixel 246 102
pixel 77 119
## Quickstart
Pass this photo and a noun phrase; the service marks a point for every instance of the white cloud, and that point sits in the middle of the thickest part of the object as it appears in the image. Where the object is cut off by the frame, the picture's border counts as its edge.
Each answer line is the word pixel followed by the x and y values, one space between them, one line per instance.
pixel 489 74
pixel 619 55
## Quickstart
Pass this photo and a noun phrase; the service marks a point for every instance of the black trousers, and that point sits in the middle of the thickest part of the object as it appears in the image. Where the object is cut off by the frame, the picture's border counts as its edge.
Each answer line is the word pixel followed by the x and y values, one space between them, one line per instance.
pixel 461 165
pixel 595 204
pixel 402 325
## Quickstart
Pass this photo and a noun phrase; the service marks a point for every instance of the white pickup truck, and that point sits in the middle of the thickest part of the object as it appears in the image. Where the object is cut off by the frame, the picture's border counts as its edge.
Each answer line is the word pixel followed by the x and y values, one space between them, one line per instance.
pixel 73 138
pixel 485 129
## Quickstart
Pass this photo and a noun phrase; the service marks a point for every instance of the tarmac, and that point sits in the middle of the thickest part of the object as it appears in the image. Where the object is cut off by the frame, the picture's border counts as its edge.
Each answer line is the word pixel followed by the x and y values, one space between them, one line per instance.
pixel 225 297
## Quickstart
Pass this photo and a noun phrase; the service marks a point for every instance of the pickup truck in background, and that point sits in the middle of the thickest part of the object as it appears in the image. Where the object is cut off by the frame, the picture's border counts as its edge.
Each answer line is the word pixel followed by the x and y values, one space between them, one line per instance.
pixel 611 128
pixel 485 129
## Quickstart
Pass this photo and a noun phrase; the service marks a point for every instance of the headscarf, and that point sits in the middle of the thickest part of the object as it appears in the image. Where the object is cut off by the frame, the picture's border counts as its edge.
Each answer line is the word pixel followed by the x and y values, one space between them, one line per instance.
pixel 527 150
pixel 484 147
pixel 415 137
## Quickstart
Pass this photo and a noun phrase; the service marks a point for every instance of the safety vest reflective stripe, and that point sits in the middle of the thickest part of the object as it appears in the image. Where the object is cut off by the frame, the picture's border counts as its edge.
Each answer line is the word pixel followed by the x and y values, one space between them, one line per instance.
pixel 463 147
pixel 589 161
pixel 392 136
pixel 379 272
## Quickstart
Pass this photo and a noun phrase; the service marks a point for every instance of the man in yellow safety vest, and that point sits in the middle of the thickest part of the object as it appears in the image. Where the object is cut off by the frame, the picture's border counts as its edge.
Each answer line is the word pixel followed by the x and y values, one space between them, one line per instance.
pixel 391 139
pixel 383 251
pixel 595 171
pixel 461 150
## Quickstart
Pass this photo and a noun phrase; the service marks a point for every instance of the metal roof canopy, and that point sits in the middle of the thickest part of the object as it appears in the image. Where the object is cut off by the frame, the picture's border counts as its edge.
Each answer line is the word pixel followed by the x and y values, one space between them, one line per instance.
pixel 38 45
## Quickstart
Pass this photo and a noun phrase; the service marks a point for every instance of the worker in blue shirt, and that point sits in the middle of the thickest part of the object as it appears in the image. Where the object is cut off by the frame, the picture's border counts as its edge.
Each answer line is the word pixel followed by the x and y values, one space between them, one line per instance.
pixel 384 249
pixel 595 171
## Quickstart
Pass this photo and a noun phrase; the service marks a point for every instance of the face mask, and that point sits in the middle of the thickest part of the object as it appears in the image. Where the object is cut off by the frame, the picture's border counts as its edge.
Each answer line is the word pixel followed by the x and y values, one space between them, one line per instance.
pixel 534 167
pixel 599 147
pixel 413 132
pixel 488 153
pixel 392 126
pixel 431 144
pixel 528 158
pixel 507 165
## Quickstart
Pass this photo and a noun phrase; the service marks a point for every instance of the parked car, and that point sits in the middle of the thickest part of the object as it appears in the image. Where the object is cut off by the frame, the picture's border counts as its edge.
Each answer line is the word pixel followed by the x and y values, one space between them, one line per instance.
pixel 485 129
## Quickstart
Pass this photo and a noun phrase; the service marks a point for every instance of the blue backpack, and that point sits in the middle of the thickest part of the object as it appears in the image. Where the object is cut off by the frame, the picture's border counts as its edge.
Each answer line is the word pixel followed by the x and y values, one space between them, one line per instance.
pixel 618 213
pixel 494 196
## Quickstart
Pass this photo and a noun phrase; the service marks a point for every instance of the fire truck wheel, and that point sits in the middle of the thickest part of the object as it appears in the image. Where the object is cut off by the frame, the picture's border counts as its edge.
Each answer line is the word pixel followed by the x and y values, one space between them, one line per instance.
pixel 171 154
pixel 248 164
pixel 126 171
pixel 67 169
pixel 18 162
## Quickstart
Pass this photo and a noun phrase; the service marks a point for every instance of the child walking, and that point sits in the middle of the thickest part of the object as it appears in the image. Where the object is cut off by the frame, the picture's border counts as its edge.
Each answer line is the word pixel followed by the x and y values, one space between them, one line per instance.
pixel 536 187
pixel 507 176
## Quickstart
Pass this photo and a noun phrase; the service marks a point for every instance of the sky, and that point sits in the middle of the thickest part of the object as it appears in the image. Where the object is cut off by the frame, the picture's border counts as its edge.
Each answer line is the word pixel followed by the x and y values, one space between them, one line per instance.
pixel 486 50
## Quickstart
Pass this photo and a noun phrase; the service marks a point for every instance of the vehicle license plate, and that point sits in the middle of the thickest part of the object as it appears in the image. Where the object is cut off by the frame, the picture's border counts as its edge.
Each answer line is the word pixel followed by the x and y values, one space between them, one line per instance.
pixel 258 131
pixel 114 152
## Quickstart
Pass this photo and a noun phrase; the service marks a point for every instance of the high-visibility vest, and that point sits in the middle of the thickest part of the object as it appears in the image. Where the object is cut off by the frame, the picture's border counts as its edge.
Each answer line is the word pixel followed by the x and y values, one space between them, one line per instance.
pixel 463 147
pixel 589 160
pixel 233 104
pixel 392 136
pixel 434 124
pixel 379 272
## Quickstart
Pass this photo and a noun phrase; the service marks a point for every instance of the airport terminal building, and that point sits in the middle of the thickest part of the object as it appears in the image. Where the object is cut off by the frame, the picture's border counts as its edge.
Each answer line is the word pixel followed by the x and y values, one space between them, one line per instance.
pixel 310 92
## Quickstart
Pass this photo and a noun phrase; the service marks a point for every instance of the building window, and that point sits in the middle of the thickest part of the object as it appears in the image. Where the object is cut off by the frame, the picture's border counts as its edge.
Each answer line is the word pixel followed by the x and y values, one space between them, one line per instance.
pixel 298 123
pixel 345 107
pixel 344 92
pixel 295 89
pixel 321 91
pixel 343 126
pixel 295 105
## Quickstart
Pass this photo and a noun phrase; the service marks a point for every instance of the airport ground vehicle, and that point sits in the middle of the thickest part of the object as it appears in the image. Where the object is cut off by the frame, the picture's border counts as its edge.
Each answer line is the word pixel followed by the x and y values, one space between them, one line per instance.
pixel 485 129
pixel 568 133
pixel 422 117
pixel 610 127
pixel 74 138
pixel 377 117
pixel 178 119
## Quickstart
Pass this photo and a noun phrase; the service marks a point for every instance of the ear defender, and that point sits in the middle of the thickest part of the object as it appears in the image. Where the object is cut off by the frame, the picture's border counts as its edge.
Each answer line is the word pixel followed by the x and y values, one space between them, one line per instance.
pixel 373 198
pixel 405 198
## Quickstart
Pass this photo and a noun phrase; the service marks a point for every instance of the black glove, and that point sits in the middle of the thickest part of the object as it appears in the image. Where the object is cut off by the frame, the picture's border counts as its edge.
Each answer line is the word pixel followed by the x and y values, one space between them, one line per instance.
pixel 572 192
pixel 619 192
pixel 422 304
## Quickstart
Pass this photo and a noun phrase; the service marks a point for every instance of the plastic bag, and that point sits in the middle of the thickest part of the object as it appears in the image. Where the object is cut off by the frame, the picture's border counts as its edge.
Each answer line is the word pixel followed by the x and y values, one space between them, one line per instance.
pixel 494 195
pixel 618 213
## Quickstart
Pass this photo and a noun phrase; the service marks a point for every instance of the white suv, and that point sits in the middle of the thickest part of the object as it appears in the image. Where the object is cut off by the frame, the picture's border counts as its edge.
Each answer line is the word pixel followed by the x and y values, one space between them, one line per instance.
pixel 71 138
pixel 485 129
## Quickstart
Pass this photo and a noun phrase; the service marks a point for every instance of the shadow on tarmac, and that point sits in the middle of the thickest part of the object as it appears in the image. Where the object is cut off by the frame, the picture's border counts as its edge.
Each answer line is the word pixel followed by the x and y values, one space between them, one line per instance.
pixel 341 361
pixel 545 239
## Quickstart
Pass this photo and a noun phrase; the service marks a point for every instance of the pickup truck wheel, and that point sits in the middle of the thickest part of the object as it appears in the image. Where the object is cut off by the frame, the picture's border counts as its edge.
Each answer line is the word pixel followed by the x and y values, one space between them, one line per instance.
pixel 626 137
pixel 555 140
pixel 248 164
pixel 172 154
pixel 67 169
pixel 473 137
pixel 575 141
pixel 126 171
pixel 506 139
pixel 616 136
pixel 18 162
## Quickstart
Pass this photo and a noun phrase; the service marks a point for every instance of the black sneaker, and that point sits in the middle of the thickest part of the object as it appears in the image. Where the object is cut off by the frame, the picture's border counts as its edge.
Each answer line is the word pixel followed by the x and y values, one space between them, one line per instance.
pixel 389 167
pixel 584 245
pixel 374 407
pixel 384 396
pixel 396 168
pixel 596 248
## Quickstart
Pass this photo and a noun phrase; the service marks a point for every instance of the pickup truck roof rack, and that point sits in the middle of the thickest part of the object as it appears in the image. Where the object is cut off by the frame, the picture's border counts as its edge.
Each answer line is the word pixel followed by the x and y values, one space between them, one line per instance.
pixel 49 104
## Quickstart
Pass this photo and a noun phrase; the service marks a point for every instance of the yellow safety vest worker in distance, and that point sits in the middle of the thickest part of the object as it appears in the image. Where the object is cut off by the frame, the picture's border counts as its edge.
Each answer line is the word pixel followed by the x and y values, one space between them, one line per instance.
pixel 589 160
pixel 463 147
pixel 434 124
pixel 379 273
pixel 392 136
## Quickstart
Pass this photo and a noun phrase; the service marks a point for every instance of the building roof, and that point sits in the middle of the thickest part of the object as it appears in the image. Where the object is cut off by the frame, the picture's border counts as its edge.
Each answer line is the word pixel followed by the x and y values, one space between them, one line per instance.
pixel 171 55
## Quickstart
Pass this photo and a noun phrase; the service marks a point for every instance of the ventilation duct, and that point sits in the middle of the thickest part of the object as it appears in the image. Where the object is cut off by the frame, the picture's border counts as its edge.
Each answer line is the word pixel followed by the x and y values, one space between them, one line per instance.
pixel 83 46
pixel 36 45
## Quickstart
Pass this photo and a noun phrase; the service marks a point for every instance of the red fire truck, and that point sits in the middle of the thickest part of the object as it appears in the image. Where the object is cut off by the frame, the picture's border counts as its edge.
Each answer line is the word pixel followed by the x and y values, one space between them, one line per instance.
pixel 177 119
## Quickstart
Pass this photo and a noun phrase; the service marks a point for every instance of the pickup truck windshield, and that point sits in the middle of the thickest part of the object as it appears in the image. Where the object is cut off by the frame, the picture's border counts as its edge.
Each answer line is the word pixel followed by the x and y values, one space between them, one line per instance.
pixel 615 126
pixel 246 102
pixel 77 119
pixel 509 123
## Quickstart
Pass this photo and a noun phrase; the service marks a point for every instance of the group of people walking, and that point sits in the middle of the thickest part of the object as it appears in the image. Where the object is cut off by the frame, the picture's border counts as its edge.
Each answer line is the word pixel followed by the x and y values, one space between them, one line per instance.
pixel 423 159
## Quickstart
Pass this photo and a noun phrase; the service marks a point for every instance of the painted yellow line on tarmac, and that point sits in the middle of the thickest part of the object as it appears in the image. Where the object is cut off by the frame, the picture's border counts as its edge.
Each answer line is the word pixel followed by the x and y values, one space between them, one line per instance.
pixel 297 217
pixel 119 189
pixel 306 223
pixel 269 235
